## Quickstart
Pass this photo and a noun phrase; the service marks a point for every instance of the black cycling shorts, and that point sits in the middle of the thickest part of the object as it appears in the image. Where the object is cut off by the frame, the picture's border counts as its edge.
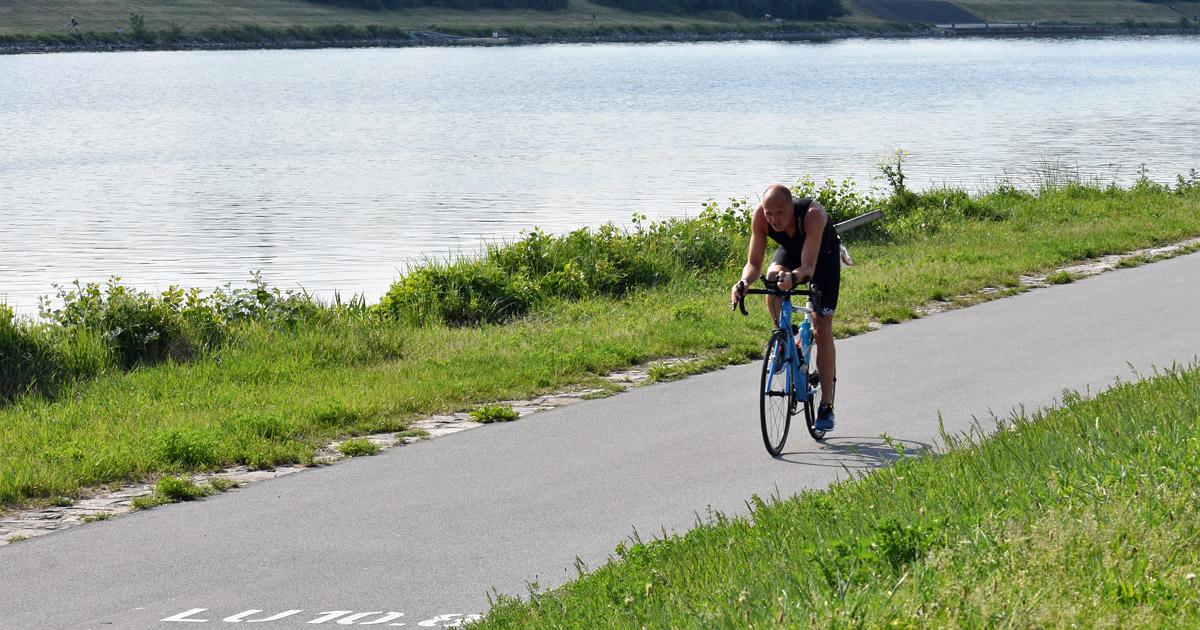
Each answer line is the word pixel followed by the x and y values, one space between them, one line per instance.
pixel 826 280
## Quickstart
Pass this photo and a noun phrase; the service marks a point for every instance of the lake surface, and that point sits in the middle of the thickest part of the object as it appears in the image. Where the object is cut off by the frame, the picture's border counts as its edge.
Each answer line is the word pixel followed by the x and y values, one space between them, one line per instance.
pixel 335 169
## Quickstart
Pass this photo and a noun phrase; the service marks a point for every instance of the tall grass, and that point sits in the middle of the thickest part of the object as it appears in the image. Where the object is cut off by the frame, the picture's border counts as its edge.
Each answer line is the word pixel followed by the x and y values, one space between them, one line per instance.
pixel 1084 516
pixel 116 384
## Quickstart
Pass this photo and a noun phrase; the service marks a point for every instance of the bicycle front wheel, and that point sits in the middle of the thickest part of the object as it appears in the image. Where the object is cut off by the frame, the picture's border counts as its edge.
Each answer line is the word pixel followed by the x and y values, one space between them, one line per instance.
pixel 775 395
pixel 811 402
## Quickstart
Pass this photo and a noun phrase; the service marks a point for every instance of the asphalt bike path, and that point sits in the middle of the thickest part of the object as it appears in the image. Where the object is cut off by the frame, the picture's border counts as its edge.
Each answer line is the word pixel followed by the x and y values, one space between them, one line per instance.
pixel 418 536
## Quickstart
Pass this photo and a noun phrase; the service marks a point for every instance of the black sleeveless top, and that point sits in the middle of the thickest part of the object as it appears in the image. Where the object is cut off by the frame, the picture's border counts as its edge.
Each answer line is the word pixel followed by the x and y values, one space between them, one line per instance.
pixel 829 238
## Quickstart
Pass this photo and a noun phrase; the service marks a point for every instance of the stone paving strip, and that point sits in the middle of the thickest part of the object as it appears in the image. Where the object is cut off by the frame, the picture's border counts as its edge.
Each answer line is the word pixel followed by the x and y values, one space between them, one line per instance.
pixel 17 525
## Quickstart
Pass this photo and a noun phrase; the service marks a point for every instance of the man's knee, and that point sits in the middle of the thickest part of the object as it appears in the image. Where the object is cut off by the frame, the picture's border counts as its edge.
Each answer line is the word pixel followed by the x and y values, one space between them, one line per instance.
pixel 823 327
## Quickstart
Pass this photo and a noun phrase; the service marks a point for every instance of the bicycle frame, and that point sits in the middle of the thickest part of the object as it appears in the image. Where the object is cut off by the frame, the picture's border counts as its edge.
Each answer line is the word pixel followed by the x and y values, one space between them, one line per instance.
pixel 793 358
pixel 794 381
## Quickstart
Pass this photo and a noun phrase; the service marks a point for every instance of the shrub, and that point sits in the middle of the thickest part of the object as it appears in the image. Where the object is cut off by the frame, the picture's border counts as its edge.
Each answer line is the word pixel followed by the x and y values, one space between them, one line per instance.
pixel 511 279
pixel 461 293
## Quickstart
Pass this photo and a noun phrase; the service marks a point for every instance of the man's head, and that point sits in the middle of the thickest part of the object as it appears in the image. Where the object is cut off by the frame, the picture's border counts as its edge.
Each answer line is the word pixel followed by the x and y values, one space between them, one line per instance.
pixel 778 207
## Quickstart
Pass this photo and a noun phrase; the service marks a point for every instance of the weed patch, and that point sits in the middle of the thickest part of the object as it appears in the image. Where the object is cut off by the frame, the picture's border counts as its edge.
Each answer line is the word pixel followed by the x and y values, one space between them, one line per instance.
pixel 1060 277
pixel 488 414
pixel 358 447
pixel 177 489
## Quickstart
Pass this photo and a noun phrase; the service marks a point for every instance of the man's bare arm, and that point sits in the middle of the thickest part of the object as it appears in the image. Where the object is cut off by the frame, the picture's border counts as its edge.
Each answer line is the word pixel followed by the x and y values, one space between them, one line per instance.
pixel 814 229
pixel 757 248
pixel 754 254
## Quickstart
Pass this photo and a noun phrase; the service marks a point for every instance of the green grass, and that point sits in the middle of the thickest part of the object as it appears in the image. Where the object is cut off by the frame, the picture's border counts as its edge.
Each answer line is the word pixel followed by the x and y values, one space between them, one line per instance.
pixel 1084 516
pixel 275 391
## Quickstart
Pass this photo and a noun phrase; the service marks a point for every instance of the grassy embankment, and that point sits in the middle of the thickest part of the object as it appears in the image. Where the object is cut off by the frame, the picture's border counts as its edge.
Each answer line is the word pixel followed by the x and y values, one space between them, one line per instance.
pixel 298 21
pixel 1085 516
pixel 124 386
pixel 219 21
pixel 1083 12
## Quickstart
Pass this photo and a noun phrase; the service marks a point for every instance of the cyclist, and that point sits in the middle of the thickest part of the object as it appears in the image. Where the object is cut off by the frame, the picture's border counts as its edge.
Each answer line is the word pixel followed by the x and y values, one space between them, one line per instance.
pixel 809 249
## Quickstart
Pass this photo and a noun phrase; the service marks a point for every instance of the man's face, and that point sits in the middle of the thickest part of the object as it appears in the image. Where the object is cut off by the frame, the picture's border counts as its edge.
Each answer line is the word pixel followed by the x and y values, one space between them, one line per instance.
pixel 779 214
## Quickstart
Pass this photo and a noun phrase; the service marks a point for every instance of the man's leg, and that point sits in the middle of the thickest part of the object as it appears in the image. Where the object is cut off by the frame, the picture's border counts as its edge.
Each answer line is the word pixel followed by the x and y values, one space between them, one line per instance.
pixel 826 355
pixel 774 304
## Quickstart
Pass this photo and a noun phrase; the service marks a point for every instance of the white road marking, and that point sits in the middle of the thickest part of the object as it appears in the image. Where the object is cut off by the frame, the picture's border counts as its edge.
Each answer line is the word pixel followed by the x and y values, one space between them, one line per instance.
pixel 342 617
pixel 240 617
pixel 188 613
pixel 331 615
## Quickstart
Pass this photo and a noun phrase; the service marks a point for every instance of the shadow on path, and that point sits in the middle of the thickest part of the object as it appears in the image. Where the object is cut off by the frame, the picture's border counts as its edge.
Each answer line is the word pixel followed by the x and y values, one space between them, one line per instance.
pixel 855 452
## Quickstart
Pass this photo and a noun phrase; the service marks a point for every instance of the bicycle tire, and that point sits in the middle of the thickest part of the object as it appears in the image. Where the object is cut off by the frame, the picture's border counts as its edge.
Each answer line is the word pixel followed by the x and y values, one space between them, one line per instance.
pixel 810 405
pixel 775 397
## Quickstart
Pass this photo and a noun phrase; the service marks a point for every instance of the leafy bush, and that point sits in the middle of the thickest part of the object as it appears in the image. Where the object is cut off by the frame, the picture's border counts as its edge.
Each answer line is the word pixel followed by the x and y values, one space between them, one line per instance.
pixel 461 293
pixel 512 279
pixel 145 328
pixel 841 200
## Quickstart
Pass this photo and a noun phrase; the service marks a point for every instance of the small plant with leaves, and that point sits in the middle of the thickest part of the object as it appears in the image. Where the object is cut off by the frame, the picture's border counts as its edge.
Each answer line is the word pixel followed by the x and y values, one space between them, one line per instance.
pixel 488 414
pixel 892 168
pixel 177 489
pixel 358 447
pixel 1060 277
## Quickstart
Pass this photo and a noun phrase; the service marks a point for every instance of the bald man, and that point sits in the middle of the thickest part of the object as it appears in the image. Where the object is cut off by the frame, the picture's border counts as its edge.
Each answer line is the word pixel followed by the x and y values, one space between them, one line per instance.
pixel 809 250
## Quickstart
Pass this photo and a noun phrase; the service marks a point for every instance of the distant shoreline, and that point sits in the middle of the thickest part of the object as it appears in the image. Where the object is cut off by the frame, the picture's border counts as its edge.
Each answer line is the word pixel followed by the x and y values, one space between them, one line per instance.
pixel 14 45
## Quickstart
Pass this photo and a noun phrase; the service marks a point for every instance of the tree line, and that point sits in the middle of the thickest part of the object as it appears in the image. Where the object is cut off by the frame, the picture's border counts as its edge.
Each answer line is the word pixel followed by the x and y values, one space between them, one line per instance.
pixel 463 5
pixel 785 9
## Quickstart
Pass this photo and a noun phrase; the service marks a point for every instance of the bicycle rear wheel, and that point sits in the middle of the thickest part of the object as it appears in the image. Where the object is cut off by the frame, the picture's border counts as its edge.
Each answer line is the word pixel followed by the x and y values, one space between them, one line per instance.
pixel 810 405
pixel 775 395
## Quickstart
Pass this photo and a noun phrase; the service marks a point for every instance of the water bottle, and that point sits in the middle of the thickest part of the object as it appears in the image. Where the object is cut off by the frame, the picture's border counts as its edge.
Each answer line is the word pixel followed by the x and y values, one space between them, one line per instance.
pixel 806 337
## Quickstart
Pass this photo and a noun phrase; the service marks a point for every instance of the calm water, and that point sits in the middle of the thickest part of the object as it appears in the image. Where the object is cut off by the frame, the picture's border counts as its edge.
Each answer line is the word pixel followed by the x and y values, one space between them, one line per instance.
pixel 334 169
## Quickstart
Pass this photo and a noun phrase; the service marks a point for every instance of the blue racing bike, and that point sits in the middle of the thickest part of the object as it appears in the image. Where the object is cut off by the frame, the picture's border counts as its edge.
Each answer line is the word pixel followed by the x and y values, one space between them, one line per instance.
pixel 789 381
